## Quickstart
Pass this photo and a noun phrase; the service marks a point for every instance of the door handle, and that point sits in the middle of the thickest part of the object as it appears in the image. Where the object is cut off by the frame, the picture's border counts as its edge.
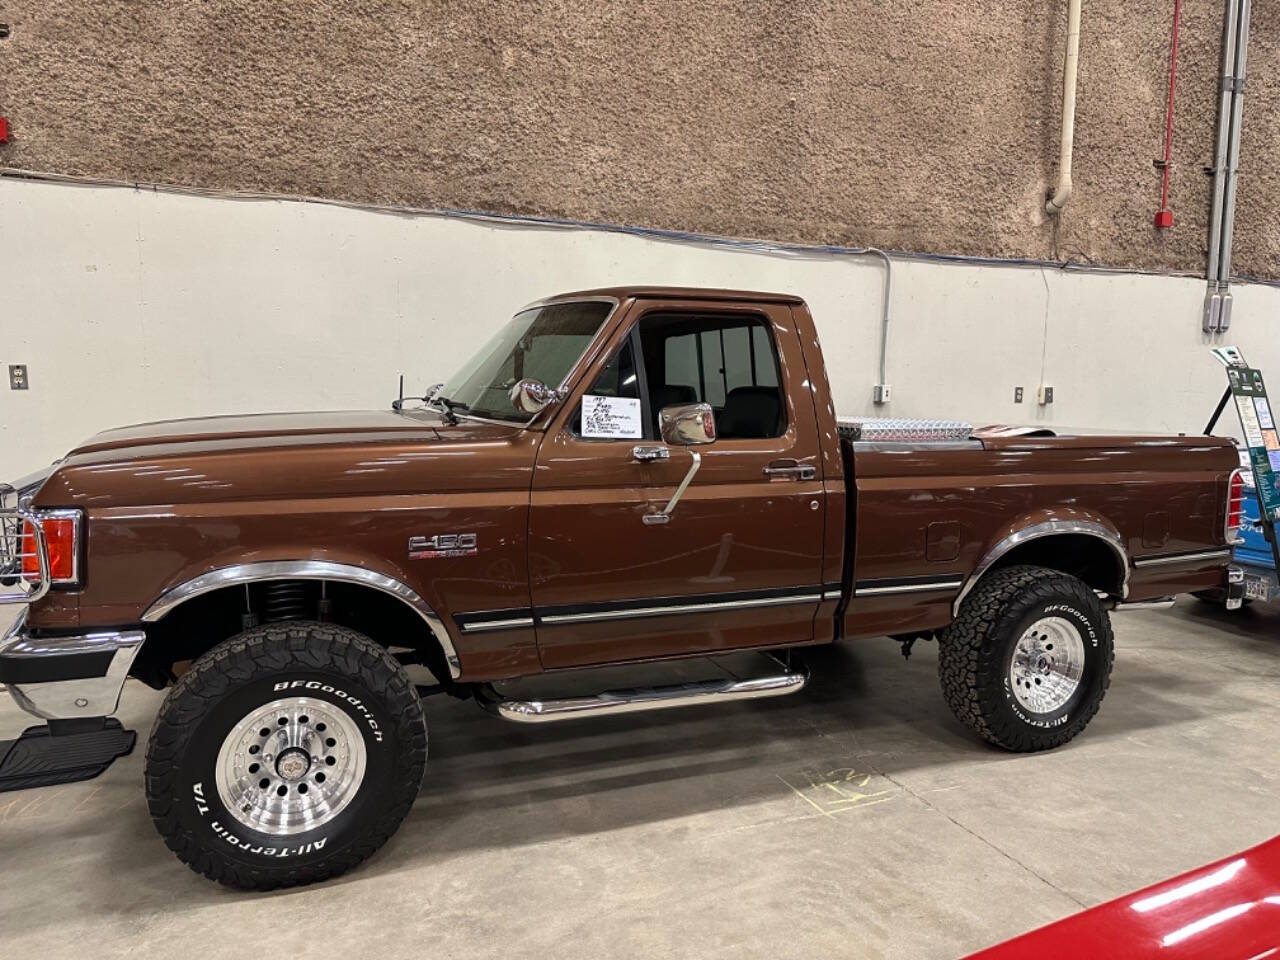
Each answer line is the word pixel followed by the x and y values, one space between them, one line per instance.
pixel 790 470
pixel 645 454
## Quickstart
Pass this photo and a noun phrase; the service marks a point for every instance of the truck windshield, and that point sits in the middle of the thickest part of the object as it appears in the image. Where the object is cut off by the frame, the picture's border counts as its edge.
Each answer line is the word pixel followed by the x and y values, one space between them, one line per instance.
pixel 540 343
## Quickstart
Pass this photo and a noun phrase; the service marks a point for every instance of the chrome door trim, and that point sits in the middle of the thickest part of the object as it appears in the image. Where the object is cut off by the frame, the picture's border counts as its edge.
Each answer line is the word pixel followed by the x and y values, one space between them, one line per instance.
pixel 1220 553
pixel 945 583
pixel 242 573
pixel 1048 528
pixel 514 623
pixel 810 596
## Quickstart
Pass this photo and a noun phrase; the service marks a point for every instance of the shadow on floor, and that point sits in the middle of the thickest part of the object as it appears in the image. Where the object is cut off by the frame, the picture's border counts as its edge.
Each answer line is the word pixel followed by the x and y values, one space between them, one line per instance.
pixel 491 784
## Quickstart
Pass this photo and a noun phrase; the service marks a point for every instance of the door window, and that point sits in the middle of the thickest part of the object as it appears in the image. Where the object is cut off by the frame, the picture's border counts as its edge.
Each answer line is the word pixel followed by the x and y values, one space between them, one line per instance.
pixel 729 362
pixel 612 404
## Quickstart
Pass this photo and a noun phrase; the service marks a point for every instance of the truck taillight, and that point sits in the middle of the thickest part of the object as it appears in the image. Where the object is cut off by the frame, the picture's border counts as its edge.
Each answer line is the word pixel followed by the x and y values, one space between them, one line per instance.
pixel 61 531
pixel 1235 506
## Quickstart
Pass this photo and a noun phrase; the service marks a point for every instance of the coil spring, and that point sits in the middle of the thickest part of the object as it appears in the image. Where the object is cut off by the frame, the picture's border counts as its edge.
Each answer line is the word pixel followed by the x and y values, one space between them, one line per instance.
pixel 284 600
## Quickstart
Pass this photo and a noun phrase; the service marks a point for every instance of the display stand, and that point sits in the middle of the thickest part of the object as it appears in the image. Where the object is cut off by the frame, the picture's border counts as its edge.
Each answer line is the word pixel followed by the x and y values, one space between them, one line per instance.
pixel 1246 386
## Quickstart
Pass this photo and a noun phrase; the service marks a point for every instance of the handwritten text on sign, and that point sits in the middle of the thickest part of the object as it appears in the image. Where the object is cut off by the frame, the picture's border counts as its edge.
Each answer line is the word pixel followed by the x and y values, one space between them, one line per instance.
pixel 611 417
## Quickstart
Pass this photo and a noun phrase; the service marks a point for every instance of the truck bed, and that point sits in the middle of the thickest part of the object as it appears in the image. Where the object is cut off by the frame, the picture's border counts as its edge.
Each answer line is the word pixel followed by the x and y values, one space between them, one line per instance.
pixel 933 504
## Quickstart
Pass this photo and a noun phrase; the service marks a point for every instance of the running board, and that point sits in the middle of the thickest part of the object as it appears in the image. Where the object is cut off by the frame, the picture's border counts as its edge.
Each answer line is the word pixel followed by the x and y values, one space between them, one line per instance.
pixel 639 700
pixel 1159 603
pixel 62 751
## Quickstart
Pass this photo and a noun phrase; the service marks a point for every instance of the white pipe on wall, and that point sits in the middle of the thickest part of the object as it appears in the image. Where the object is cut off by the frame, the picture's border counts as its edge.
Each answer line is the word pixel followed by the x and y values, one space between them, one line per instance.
pixel 1063 191
pixel 1225 89
pixel 1233 144
pixel 1216 315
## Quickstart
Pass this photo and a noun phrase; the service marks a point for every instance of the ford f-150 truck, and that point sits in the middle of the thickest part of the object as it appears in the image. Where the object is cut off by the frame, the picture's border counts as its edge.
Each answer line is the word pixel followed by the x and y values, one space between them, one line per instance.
pixel 618 476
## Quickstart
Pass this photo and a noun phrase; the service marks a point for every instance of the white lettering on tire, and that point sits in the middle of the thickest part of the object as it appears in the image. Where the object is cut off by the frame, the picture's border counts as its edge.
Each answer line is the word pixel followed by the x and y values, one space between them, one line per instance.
pixel 248 846
pixel 1077 615
pixel 340 694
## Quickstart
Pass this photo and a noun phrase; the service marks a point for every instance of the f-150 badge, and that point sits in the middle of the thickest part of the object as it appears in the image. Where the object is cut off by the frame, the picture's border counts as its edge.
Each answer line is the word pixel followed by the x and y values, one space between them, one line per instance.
pixel 442 545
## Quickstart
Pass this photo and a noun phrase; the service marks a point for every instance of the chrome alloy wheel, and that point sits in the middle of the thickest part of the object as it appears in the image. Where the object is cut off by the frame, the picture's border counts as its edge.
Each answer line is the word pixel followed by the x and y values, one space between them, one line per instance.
pixel 1047 665
pixel 290 766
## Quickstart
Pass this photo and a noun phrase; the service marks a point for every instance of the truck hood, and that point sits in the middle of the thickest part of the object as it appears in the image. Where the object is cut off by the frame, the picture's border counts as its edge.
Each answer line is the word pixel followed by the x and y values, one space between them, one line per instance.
pixel 277 456
pixel 252 429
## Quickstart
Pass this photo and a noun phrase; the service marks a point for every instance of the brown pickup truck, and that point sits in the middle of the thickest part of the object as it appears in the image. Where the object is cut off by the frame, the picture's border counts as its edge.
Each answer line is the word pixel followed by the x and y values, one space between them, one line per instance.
pixel 619 475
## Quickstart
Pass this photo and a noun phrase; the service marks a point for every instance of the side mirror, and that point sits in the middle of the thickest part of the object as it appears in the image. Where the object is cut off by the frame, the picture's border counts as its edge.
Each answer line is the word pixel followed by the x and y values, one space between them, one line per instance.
pixel 687 424
pixel 532 396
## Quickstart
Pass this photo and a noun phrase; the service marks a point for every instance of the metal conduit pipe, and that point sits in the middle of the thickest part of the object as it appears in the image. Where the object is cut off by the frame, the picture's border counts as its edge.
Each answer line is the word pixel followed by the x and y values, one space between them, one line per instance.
pixel 1072 60
pixel 884 314
pixel 1226 163
pixel 1233 148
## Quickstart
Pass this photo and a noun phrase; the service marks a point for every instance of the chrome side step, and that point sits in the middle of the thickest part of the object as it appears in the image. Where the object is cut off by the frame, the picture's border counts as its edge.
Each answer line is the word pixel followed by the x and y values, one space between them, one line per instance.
pixel 639 700
pixel 1160 603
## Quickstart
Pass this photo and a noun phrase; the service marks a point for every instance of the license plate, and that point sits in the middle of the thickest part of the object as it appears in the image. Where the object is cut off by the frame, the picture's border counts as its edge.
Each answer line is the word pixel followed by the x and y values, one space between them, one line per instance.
pixel 1255 588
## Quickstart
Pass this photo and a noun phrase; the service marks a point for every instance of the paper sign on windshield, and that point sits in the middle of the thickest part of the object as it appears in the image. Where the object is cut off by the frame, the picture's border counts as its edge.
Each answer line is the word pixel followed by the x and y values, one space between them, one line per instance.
pixel 611 417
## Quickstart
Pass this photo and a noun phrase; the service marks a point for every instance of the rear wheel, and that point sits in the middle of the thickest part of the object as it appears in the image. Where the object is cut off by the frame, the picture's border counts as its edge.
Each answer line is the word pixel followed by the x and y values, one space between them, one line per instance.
pixel 285 755
pixel 1028 660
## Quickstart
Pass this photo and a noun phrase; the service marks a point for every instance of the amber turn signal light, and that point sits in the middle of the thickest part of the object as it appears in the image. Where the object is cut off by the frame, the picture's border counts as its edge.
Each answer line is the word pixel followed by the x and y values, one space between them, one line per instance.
pixel 62 542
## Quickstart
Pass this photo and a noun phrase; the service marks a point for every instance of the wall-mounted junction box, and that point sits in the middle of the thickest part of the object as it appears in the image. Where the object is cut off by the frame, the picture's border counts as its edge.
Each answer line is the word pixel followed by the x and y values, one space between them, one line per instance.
pixel 1044 396
pixel 880 393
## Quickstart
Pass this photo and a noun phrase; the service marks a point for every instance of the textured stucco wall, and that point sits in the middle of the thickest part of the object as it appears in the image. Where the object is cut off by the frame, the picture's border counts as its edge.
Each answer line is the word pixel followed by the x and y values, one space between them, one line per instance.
pixel 131 305
pixel 921 125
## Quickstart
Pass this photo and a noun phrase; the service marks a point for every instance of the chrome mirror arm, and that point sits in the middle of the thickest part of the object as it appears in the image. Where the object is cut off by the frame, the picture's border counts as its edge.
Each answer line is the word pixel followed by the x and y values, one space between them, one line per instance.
pixel 651 519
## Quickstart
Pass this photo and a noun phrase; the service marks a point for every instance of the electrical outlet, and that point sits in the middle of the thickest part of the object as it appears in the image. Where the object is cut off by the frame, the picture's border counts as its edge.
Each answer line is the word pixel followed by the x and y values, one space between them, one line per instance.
pixel 1017 394
pixel 17 376
pixel 1045 396
pixel 880 393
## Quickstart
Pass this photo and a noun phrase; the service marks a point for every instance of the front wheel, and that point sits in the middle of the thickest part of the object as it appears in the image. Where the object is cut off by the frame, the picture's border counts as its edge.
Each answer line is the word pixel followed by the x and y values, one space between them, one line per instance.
pixel 1028 660
pixel 286 755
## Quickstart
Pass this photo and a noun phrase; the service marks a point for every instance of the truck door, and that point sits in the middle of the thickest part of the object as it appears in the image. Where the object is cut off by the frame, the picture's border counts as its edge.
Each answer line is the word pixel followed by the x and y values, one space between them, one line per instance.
pixel 738 562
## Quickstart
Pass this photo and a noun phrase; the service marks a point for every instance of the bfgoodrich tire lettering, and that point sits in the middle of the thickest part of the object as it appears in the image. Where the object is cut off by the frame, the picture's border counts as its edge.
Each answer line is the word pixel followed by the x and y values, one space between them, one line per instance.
pixel 976 652
pixel 284 663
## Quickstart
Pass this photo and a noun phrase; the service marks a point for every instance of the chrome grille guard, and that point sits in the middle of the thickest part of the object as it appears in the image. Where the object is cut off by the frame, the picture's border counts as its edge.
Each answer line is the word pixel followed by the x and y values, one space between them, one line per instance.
pixel 21 538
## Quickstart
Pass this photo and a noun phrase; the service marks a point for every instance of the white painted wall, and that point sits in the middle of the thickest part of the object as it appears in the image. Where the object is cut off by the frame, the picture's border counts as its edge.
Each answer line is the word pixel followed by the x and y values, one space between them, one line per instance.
pixel 137 305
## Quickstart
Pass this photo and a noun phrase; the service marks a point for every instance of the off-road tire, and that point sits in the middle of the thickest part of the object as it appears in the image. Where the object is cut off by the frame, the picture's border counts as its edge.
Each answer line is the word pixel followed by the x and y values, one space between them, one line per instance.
pixel 975 651
pixel 317 660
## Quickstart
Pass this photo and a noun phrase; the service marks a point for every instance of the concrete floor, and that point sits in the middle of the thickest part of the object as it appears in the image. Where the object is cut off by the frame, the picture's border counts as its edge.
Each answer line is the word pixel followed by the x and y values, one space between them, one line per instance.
pixel 854 819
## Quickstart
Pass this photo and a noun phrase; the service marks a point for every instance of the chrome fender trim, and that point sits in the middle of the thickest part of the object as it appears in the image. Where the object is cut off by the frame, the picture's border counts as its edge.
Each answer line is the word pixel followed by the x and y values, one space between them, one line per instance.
pixel 1048 528
pixel 305 570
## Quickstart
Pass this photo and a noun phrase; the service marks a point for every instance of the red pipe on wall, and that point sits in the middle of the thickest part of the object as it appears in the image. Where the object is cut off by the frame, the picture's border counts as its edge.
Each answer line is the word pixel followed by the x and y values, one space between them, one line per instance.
pixel 1164 216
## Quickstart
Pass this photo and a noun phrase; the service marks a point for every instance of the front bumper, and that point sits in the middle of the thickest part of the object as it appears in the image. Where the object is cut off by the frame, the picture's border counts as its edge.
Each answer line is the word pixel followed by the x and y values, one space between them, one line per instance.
pixel 69 677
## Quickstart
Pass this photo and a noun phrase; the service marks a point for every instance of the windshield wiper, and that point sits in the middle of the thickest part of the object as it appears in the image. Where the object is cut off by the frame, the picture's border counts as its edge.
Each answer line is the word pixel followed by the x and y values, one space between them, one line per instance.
pixel 448 406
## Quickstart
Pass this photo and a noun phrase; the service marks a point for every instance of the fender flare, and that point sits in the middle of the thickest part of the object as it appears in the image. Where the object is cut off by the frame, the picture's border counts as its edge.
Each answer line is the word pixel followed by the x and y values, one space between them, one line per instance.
pixel 242 573
pixel 1049 528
